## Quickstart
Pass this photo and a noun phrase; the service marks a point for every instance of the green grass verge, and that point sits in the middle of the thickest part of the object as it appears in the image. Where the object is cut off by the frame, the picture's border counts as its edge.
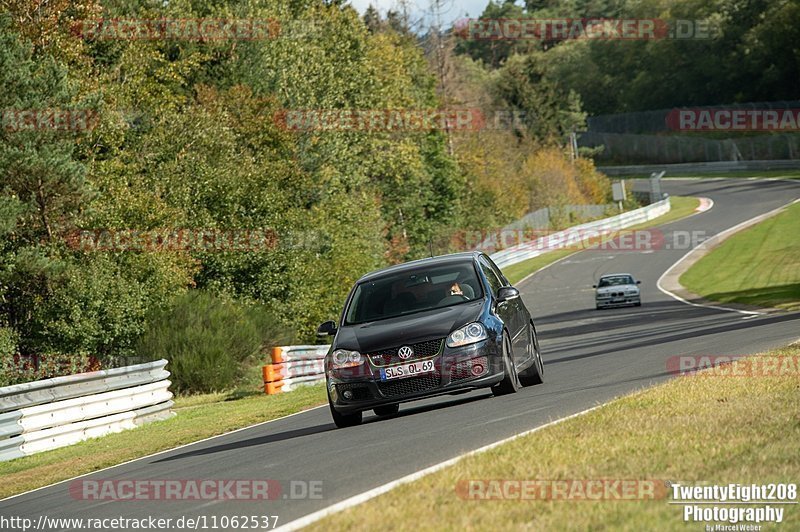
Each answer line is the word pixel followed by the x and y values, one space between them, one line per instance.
pixel 199 416
pixel 517 272
pixel 692 429
pixel 758 266
pixel 681 207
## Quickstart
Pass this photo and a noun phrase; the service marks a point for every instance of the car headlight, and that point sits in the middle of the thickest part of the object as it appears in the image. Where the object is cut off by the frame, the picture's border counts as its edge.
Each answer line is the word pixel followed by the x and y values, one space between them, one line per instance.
pixel 468 334
pixel 342 358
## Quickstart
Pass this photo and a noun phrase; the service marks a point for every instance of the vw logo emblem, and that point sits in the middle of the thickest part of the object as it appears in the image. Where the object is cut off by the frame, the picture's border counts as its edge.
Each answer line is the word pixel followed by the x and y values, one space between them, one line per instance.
pixel 405 352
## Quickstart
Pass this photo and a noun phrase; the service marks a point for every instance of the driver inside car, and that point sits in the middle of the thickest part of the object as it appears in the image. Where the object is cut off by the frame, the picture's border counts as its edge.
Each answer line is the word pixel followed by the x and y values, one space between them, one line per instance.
pixel 463 290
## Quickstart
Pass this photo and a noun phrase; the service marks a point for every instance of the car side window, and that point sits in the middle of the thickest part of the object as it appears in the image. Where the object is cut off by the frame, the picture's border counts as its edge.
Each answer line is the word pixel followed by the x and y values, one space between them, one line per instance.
pixel 499 274
pixel 494 282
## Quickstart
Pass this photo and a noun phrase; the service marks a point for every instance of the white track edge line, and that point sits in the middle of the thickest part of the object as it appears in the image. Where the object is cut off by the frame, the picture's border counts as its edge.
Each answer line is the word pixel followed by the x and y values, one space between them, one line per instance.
pixel 380 490
pixel 160 452
pixel 725 235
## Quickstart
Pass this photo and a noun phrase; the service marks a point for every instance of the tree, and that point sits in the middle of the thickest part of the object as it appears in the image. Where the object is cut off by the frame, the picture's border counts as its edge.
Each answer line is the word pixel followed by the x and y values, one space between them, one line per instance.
pixel 492 52
pixel 372 19
pixel 549 116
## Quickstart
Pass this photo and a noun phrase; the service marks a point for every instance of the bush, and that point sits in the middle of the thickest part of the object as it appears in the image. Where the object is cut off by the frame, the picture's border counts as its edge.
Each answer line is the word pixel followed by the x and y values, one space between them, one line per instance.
pixel 209 341
pixel 8 348
pixel 17 369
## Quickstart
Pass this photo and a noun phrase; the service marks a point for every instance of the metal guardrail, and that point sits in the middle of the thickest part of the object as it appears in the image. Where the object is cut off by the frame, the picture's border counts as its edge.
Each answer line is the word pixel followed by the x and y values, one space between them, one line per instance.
pixel 700 168
pixel 579 233
pixel 47 414
pixel 67 387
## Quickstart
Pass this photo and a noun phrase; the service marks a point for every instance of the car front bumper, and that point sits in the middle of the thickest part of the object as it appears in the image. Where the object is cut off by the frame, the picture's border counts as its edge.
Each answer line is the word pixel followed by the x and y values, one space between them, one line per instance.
pixel 618 301
pixel 453 373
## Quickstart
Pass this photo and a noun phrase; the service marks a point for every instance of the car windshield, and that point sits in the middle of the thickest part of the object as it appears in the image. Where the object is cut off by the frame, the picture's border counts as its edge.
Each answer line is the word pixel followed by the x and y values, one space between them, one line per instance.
pixel 416 290
pixel 615 281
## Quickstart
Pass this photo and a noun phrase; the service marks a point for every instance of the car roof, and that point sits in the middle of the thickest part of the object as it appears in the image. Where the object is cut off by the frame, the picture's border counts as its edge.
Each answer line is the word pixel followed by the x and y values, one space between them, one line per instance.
pixel 616 275
pixel 468 256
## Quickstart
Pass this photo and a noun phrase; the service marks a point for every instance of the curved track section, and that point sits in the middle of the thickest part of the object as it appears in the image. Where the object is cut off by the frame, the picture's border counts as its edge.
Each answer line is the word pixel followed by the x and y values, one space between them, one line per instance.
pixel 591 356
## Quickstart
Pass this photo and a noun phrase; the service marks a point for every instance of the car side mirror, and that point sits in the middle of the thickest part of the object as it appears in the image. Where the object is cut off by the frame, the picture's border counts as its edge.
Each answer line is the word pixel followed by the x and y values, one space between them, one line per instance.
pixel 506 293
pixel 638 282
pixel 594 286
pixel 326 329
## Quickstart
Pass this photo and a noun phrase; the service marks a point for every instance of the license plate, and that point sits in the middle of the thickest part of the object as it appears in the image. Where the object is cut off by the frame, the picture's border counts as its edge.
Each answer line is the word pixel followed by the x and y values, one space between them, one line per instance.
pixel 618 300
pixel 407 370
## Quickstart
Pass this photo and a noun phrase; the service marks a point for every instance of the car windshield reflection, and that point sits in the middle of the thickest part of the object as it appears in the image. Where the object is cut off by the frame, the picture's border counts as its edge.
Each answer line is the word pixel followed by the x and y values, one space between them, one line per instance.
pixel 413 290
pixel 615 281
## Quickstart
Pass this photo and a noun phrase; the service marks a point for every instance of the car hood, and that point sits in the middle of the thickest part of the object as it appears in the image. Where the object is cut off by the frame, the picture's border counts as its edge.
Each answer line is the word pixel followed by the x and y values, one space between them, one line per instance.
pixel 618 288
pixel 409 329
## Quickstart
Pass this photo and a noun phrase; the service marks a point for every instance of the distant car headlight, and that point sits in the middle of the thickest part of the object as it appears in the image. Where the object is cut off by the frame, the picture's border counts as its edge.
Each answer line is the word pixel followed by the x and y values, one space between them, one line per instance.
pixel 342 358
pixel 468 334
pixel 632 292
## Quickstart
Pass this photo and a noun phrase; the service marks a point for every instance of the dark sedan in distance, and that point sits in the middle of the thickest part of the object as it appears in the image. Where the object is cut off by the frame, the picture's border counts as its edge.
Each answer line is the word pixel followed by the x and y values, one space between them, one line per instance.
pixel 433 326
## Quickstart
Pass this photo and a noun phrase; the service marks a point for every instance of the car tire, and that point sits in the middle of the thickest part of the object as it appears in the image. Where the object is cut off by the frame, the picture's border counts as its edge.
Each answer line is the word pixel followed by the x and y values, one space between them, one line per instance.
pixel 510 382
pixel 535 373
pixel 637 304
pixel 344 420
pixel 388 410
pixel 598 307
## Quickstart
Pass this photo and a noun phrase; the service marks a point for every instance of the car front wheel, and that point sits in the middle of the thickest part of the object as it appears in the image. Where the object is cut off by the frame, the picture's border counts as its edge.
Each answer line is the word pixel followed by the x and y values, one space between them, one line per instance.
pixel 535 373
pixel 510 382
pixel 344 420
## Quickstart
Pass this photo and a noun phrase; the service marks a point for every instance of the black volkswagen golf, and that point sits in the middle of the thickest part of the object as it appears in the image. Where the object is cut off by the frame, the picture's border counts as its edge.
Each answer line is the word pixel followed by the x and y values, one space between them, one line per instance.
pixel 434 326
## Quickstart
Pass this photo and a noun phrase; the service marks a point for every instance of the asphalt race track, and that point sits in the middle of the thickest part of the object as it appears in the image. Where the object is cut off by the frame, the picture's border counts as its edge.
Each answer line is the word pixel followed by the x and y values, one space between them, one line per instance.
pixel 590 357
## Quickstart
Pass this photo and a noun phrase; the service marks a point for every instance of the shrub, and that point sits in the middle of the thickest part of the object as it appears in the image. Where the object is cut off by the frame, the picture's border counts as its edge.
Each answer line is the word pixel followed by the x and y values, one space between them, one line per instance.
pixel 8 348
pixel 209 341
pixel 17 369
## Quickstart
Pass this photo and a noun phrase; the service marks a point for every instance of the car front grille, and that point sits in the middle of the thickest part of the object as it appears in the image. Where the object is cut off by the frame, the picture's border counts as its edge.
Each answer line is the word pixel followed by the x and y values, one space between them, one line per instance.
pixel 409 385
pixel 388 357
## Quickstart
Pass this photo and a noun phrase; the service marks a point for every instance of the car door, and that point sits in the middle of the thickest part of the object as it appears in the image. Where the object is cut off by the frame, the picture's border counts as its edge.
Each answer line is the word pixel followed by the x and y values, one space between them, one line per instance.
pixel 524 317
pixel 508 311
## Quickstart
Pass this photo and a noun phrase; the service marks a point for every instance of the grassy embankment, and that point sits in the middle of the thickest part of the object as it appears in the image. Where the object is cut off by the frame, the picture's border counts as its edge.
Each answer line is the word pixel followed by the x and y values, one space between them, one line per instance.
pixel 759 266
pixel 693 429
